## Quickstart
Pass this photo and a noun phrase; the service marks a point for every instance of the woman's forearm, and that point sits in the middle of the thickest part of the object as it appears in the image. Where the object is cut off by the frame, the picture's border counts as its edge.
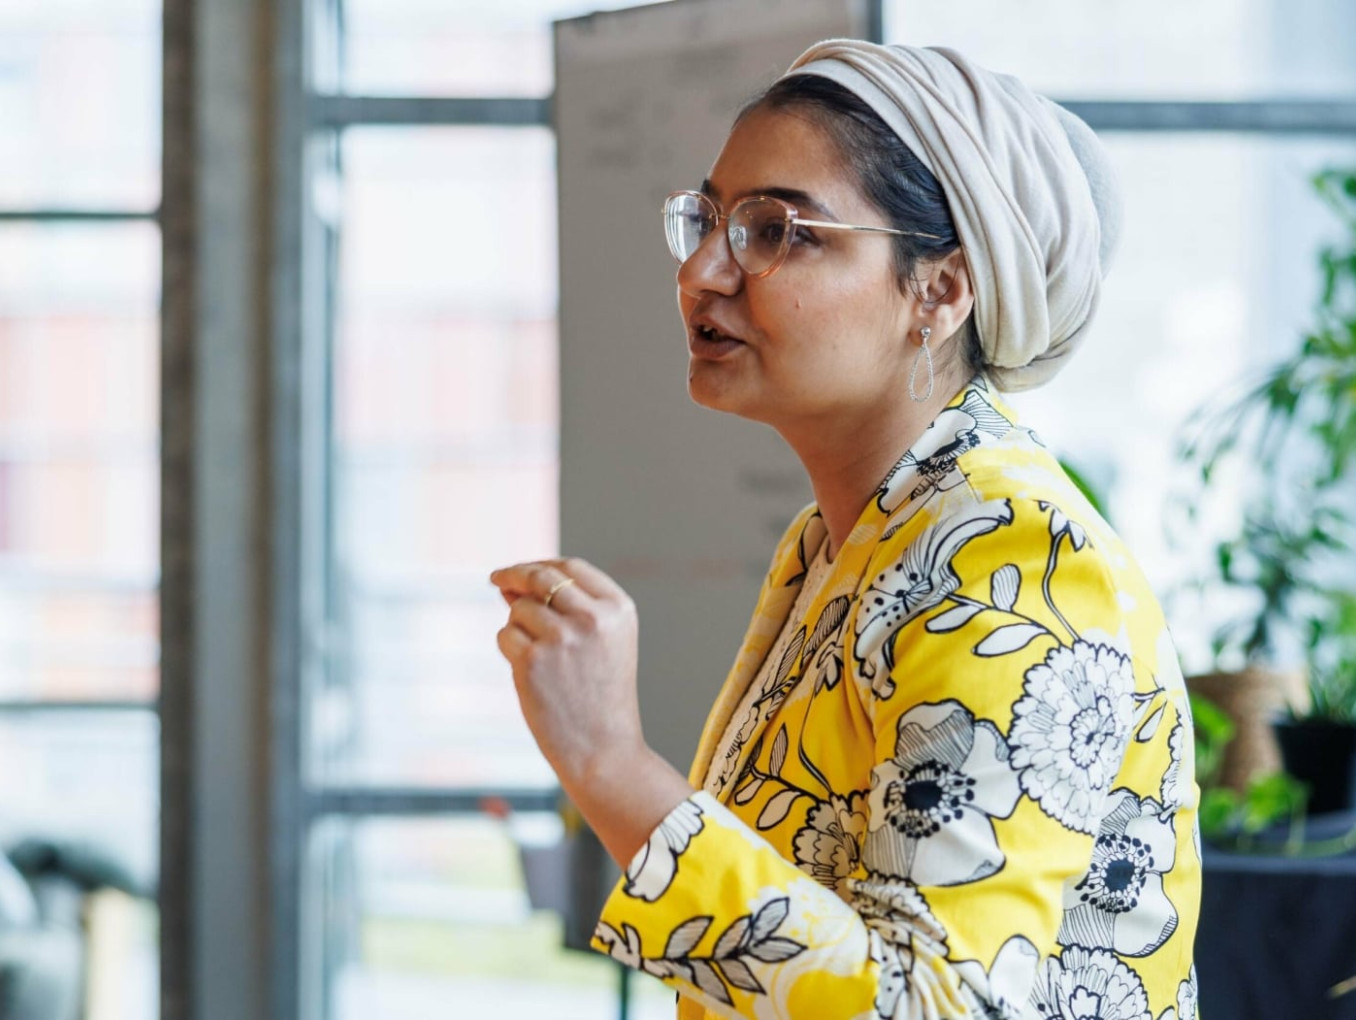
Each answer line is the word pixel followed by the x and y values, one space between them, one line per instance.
pixel 624 793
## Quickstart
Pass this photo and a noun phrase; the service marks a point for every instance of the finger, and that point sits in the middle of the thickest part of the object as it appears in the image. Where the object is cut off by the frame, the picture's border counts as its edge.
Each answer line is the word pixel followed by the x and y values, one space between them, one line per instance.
pixel 566 596
pixel 537 621
pixel 590 578
pixel 534 578
pixel 513 642
pixel 546 581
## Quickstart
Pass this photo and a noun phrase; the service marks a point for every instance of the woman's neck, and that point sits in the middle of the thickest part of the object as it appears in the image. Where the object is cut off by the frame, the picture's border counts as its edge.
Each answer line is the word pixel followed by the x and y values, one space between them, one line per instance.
pixel 848 460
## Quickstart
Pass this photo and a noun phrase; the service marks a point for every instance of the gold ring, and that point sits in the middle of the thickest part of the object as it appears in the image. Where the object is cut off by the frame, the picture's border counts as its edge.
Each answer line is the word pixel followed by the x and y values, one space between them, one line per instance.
pixel 555 588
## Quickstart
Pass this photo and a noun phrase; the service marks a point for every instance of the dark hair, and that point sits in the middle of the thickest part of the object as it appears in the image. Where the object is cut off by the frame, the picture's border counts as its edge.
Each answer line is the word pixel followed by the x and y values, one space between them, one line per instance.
pixel 889 174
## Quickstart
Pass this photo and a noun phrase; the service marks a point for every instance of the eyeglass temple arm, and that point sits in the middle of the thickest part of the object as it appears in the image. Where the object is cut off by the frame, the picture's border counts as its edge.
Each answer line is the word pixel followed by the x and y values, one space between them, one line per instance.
pixel 874 230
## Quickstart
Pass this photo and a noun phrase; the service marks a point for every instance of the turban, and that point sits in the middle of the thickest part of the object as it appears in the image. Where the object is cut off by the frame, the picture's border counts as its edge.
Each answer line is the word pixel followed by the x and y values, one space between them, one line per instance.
pixel 1029 185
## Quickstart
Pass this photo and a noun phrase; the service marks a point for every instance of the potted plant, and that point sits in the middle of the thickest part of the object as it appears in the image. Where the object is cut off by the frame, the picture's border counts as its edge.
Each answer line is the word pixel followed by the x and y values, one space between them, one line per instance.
pixel 1318 746
pixel 1232 819
pixel 1269 815
pixel 1291 434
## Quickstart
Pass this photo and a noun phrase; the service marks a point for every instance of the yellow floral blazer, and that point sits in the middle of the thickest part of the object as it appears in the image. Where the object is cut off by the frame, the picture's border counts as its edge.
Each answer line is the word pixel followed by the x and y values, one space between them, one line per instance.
pixel 966 790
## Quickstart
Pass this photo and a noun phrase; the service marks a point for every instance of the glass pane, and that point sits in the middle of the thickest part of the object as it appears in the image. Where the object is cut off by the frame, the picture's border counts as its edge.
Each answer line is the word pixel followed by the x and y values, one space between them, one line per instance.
pixel 1216 275
pixel 80 104
pixel 91 779
pixel 79 485
pixel 1146 49
pixel 423 918
pixel 471 48
pixel 444 450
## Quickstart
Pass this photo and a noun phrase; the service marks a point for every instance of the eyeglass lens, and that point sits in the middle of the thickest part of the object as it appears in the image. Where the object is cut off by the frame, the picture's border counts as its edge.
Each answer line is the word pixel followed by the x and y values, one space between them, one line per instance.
pixel 757 230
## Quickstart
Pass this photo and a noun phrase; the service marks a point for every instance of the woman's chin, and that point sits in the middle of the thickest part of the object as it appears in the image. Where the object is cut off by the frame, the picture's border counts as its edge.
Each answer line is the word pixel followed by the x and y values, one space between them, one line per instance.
pixel 708 390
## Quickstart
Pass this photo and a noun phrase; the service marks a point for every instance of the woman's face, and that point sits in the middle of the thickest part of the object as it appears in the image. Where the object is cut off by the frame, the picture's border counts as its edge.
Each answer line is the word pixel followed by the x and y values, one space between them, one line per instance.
pixel 822 339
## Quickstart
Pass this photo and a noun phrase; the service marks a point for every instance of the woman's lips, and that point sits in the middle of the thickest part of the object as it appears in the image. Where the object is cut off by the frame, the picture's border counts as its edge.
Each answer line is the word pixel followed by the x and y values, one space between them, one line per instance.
pixel 711 344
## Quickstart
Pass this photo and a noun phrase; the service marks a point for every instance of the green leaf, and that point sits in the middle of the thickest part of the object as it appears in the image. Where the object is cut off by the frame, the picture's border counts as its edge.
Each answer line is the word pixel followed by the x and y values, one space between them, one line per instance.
pixel 1212 722
pixel 1288 437
pixel 1213 731
pixel 1216 813
pixel 1086 488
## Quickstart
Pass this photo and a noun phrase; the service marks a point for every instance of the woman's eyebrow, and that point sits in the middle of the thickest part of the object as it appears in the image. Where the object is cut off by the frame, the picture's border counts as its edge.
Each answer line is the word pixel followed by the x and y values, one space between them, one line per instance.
pixel 800 199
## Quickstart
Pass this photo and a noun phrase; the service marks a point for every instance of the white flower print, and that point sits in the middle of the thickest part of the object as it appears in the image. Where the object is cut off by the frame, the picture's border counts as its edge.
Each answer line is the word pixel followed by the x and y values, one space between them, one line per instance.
pixel 730 762
pixel 933 803
pixel 1170 792
pixel 654 866
pixel 899 924
pixel 623 946
pixel 896 910
pixel 824 646
pixel 750 938
pixel 1120 903
pixel 1187 997
pixel 776 686
pixel 1070 730
pixel 1005 986
pixel 1088 984
pixel 1060 525
pixel 923 578
pixel 894 963
pixel 931 463
pixel 829 847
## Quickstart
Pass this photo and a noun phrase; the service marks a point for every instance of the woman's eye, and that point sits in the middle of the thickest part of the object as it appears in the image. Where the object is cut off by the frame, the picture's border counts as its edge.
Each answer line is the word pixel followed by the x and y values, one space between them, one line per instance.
pixel 800 235
pixel 772 232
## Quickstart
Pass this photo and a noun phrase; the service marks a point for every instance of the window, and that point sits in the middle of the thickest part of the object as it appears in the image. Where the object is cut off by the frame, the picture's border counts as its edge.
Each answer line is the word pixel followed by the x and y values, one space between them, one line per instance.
pixel 1216 269
pixel 441 465
pixel 79 554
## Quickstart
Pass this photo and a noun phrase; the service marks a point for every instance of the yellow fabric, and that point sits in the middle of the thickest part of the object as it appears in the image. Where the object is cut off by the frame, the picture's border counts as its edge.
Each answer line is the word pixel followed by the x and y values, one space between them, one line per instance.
pixel 968 791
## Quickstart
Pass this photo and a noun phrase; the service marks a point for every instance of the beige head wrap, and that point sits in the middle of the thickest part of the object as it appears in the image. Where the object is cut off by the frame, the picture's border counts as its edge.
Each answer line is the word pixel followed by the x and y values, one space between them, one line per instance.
pixel 1030 188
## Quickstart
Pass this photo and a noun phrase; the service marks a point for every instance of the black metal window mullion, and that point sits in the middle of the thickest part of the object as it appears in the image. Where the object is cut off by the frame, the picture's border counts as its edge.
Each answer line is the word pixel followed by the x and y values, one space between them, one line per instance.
pixel 49 216
pixel 339 111
pixel 417 801
pixel 1263 116
pixel 52 706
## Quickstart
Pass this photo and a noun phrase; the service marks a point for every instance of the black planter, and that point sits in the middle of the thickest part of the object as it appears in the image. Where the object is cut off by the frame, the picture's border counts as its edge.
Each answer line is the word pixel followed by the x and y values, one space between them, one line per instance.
pixel 1323 756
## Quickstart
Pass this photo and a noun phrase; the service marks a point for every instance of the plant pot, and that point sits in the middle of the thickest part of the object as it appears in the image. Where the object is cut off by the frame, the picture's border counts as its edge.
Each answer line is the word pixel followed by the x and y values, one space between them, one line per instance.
pixel 1322 755
pixel 1252 698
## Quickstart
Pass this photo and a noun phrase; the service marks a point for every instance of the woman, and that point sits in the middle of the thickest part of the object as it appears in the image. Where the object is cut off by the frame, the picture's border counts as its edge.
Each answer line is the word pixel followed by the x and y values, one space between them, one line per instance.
pixel 950 774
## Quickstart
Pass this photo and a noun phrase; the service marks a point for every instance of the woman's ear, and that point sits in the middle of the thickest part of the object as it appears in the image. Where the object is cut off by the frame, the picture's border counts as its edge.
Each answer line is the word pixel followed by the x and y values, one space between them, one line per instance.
pixel 944 293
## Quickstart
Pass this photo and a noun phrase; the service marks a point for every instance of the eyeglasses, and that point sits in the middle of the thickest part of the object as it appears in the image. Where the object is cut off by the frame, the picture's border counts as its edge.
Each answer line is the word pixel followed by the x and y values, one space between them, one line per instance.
pixel 760 229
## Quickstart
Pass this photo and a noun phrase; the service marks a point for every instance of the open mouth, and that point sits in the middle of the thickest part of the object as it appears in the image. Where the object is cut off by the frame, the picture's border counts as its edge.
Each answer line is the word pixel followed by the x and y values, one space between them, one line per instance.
pixel 714 336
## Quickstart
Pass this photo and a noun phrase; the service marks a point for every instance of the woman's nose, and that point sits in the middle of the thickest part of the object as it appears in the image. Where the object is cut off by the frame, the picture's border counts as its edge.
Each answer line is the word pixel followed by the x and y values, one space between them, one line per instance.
pixel 711 267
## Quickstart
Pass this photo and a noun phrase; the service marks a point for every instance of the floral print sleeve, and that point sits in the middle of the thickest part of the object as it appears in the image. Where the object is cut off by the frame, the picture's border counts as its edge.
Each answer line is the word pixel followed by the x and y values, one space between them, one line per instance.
pixel 973 798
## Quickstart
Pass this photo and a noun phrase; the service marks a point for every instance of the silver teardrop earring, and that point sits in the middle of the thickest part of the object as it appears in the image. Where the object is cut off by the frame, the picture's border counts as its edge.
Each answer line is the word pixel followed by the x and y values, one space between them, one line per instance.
pixel 923 354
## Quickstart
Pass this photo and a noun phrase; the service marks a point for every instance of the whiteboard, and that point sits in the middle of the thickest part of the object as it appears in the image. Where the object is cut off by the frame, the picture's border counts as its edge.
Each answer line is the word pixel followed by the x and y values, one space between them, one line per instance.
pixel 682 505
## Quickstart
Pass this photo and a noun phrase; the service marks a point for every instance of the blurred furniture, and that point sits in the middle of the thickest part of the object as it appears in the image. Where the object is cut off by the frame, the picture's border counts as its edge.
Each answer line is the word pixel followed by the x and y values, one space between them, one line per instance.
pixel 43 885
pixel 1277 937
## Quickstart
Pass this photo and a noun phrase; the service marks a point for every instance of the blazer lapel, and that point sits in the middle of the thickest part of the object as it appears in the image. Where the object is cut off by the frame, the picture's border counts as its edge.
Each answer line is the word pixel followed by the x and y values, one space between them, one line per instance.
pixel 769 617
pixel 972 418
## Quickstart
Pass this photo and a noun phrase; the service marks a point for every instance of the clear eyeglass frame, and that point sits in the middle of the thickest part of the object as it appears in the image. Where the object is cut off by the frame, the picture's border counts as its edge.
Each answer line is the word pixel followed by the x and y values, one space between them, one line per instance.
pixel 680 206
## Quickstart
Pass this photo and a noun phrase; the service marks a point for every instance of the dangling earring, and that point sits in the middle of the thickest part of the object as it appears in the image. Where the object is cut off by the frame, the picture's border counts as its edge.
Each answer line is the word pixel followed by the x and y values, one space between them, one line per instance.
pixel 923 353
